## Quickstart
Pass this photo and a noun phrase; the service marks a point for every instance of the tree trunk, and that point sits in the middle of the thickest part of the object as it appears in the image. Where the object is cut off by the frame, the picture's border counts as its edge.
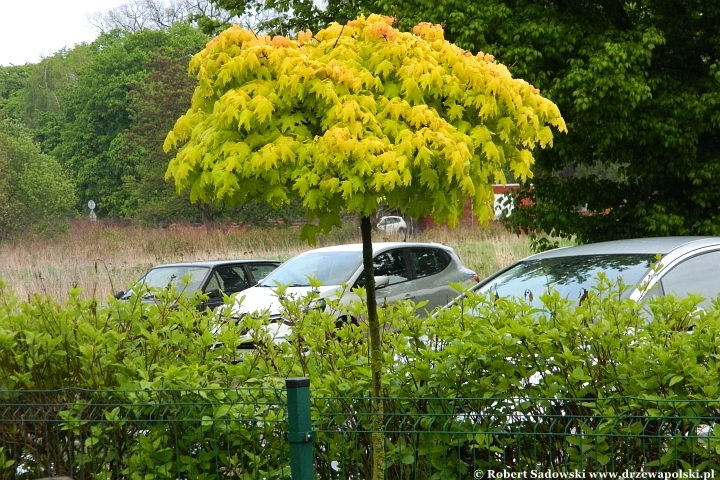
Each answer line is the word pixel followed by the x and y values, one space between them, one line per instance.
pixel 378 437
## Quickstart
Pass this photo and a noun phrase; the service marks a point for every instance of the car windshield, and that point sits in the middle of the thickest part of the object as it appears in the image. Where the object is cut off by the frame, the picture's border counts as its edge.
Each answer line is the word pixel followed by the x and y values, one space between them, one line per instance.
pixel 187 279
pixel 330 268
pixel 569 276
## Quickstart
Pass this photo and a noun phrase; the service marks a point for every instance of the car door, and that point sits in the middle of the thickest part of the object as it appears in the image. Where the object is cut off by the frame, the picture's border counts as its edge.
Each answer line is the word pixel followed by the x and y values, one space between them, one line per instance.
pixel 429 283
pixel 394 265
pixel 697 274
pixel 226 279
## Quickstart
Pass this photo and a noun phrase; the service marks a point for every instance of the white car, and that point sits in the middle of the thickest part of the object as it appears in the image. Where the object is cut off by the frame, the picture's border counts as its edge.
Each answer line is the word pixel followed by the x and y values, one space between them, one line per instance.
pixel 392 224
pixel 403 271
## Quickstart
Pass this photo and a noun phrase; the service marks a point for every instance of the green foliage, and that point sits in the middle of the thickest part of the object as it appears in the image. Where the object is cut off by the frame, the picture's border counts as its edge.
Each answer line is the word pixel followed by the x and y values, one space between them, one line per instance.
pixel 153 104
pixel 12 80
pixel 100 112
pixel 456 386
pixel 353 115
pixel 282 17
pixel 36 194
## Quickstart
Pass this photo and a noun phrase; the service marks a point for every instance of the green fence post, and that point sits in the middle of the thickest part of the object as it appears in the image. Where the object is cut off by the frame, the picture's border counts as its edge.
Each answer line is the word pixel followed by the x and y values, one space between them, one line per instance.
pixel 300 436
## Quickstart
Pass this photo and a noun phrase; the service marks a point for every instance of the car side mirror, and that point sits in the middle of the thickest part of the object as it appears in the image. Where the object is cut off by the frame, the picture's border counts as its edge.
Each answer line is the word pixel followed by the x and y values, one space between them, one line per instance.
pixel 381 282
pixel 119 294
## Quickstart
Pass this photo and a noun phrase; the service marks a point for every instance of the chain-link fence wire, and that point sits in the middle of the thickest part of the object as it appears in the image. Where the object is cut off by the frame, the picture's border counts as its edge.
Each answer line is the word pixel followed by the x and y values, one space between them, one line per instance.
pixel 462 438
pixel 242 433
pixel 173 434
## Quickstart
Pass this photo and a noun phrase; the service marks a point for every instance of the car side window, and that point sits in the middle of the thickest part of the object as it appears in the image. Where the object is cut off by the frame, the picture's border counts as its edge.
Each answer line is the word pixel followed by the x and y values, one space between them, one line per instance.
pixel 428 261
pixel 695 275
pixel 261 270
pixel 231 279
pixel 214 283
pixel 391 264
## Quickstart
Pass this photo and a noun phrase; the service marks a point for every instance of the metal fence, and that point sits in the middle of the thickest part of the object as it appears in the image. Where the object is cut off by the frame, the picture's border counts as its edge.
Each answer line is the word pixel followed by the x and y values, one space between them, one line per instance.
pixel 173 434
pixel 284 433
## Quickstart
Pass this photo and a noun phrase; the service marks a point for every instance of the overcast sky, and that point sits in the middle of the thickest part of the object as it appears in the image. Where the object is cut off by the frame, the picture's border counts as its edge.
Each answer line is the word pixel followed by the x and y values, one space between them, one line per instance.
pixel 32 29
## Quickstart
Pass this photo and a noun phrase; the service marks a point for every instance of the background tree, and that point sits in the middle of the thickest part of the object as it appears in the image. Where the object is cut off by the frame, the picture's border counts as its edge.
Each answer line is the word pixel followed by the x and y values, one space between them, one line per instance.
pixel 154 103
pixel 97 111
pixel 139 15
pixel 284 17
pixel 12 83
pixel 355 114
pixel 637 83
pixel 43 93
pixel 36 194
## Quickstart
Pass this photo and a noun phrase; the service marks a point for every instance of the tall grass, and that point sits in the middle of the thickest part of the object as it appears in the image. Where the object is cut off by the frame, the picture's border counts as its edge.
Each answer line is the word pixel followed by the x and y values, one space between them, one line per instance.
pixel 101 259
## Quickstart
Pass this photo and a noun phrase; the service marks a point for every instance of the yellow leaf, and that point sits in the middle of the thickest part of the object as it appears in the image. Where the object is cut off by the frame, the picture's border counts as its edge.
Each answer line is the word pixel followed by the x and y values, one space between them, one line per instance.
pixel 429 178
pixel 455 112
pixel 251 61
pixel 384 69
pixel 491 151
pixel 330 185
pixel 246 119
pixel 521 167
pixel 546 137
pixel 467 187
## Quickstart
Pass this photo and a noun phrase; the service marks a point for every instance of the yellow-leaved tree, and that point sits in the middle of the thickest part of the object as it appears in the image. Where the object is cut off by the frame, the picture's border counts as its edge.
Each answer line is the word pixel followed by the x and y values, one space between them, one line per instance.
pixel 351 116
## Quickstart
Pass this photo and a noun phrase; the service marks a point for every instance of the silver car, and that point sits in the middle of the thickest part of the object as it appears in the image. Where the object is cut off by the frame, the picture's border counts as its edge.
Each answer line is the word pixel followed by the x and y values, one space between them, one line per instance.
pixel 649 266
pixel 403 271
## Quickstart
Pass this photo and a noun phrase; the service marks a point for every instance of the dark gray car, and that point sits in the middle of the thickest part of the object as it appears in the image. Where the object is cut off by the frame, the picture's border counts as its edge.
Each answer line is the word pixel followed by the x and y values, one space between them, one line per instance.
pixel 649 266
pixel 213 278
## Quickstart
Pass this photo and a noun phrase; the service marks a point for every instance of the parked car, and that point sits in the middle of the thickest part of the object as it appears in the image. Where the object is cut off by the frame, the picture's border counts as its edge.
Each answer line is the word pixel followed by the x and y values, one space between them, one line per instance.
pixel 649 266
pixel 392 224
pixel 213 278
pixel 403 271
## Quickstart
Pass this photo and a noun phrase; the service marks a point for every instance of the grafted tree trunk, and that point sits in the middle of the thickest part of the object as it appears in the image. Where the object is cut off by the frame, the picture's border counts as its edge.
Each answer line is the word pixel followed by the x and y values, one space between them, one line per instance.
pixel 378 437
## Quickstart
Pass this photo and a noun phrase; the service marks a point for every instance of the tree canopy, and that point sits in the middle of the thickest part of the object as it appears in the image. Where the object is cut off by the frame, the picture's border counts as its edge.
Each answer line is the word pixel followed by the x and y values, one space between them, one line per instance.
pixel 352 115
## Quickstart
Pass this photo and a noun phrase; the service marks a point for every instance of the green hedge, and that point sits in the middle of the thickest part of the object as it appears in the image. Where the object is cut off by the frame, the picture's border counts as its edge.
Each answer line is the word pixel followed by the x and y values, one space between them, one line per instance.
pixel 604 384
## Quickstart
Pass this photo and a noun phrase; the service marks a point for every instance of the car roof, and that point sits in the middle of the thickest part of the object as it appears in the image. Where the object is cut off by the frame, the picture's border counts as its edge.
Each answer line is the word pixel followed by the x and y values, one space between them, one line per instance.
pixel 377 247
pixel 215 263
pixel 650 246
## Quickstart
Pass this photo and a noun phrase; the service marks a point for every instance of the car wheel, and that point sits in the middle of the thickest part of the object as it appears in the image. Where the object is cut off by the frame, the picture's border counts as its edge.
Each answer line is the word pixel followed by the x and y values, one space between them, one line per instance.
pixel 345 320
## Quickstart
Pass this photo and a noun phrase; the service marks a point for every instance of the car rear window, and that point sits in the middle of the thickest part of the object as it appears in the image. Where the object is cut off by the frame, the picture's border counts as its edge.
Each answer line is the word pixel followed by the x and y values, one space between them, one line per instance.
pixel 428 261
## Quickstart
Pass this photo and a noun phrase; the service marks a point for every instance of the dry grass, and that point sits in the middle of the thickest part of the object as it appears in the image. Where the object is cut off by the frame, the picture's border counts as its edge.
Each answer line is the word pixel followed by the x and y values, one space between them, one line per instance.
pixel 100 259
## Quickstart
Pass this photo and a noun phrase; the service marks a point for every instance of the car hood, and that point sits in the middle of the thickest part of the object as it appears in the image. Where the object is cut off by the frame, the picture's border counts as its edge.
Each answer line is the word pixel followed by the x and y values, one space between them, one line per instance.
pixel 265 299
